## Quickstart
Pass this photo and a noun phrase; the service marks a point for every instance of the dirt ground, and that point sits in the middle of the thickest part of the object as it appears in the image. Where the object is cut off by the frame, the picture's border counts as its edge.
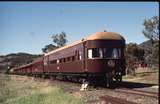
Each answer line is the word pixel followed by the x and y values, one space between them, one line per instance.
pixel 144 75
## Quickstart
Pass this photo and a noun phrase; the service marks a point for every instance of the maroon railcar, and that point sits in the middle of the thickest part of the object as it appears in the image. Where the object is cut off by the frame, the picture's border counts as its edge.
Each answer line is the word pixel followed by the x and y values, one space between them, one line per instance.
pixel 100 55
pixel 37 66
pixel 68 59
pixel 24 69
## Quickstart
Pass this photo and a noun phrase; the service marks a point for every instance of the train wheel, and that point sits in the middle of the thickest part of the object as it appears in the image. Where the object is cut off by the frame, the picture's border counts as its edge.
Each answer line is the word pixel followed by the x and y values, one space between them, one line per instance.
pixel 118 78
pixel 64 78
pixel 52 77
pixel 43 76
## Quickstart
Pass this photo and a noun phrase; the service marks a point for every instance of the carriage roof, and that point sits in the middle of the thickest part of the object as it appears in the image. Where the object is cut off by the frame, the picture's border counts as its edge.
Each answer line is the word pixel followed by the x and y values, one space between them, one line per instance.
pixel 95 36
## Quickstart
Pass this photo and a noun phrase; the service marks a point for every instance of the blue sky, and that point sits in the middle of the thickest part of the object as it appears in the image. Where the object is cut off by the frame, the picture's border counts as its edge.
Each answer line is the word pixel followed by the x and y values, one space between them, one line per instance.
pixel 27 26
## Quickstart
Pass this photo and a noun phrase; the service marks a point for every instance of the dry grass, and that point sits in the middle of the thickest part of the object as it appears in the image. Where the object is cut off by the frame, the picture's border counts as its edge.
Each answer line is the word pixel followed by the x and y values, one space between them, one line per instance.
pixel 24 90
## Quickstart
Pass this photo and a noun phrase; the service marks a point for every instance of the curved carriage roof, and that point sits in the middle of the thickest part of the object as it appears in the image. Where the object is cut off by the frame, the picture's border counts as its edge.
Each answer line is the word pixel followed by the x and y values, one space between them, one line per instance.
pixel 105 36
pixel 95 36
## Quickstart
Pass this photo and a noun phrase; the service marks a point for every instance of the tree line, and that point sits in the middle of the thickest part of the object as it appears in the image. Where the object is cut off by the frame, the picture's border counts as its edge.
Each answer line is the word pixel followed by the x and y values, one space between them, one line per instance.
pixel 148 53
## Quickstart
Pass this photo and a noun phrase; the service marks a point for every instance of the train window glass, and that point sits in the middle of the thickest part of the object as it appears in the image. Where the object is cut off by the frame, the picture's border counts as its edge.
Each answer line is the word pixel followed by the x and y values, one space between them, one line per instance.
pixel 45 63
pixel 64 60
pixel 107 52
pixel 111 52
pixel 60 60
pixel 76 55
pixel 95 52
pixel 119 52
pixel 115 53
pixel 104 53
pixel 57 61
pixel 90 53
pixel 101 52
pixel 73 58
pixel 52 62
pixel 80 55
pixel 68 58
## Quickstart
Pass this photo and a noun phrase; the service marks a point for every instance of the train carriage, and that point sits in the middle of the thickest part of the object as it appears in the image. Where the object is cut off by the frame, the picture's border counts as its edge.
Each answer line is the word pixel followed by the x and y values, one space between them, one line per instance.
pixel 37 66
pixel 100 55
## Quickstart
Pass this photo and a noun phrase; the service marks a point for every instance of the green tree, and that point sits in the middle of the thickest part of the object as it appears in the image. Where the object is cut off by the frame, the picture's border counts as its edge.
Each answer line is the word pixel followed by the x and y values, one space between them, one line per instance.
pixel 151 28
pixel 134 50
pixel 49 48
pixel 151 31
pixel 134 54
pixel 59 39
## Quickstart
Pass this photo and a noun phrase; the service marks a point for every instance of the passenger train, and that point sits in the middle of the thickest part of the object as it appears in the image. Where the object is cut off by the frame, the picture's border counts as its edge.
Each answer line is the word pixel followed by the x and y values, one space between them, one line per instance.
pixel 98 57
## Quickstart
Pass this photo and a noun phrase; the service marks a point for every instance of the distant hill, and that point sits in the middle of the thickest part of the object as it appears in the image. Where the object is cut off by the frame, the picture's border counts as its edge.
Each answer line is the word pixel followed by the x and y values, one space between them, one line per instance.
pixel 15 59
pixel 146 45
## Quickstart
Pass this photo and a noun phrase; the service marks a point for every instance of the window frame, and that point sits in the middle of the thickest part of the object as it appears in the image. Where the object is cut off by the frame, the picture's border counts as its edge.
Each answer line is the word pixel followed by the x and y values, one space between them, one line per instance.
pixel 101 54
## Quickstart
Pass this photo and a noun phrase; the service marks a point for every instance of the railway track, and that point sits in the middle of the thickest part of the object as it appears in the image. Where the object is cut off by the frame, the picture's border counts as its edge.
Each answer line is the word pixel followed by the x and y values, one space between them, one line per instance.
pixel 126 90
pixel 114 100
pixel 138 92
pixel 110 100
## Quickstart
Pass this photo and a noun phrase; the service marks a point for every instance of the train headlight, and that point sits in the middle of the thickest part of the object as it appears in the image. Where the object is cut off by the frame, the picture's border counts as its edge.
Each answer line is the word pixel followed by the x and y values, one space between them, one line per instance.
pixel 111 63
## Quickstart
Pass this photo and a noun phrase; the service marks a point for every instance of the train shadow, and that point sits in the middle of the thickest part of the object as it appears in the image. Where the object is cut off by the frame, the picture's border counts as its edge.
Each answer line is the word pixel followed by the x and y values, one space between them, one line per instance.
pixel 131 85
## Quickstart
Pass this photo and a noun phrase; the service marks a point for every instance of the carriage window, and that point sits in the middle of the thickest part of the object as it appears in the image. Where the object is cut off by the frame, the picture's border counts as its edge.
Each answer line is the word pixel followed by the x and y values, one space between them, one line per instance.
pixel 68 58
pixel 101 52
pixel 80 55
pixel 90 53
pixel 115 53
pixel 45 63
pixel 95 52
pixel 53 62
pixel 112 53
pixel 57 61
pixel 104 53
pixel 64 60
pixel 119 53
pixel 60 61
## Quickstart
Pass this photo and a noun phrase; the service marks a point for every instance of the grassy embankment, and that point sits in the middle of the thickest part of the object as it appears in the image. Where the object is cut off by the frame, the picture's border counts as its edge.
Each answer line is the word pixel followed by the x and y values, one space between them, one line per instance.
pixel 145 75
pixel 24 90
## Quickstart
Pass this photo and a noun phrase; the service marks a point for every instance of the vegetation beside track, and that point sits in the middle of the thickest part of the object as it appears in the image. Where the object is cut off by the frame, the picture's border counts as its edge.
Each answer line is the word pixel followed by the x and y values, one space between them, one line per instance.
pixel 142 75
pixel 23 90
